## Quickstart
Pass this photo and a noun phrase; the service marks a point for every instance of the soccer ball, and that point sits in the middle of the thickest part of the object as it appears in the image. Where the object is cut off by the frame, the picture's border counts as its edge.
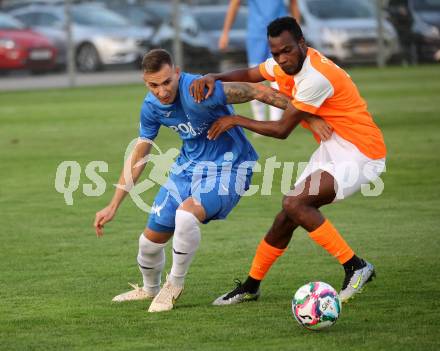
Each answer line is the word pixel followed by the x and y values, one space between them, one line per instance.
pixel 316 306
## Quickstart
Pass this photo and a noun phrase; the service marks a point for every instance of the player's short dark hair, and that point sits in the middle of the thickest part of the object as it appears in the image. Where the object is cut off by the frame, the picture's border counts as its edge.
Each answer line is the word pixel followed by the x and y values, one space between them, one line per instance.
pixel 281 24
pixel 153 60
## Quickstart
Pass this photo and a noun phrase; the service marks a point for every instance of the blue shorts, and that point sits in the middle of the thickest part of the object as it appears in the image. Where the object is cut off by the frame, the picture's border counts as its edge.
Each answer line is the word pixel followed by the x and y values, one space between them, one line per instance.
pixel 257 49
pixel 217 193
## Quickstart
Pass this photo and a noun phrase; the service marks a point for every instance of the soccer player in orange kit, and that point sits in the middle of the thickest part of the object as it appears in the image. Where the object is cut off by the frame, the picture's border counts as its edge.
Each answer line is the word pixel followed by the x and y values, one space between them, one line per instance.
pixel 317 87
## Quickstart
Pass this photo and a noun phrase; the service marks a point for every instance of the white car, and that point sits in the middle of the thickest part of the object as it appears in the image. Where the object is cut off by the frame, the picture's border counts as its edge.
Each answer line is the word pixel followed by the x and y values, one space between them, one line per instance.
pixel 346 30
pixel 101 37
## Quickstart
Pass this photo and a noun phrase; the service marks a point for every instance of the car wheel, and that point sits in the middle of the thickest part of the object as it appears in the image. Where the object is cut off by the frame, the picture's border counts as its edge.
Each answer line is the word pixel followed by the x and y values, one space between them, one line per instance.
pixel 87 58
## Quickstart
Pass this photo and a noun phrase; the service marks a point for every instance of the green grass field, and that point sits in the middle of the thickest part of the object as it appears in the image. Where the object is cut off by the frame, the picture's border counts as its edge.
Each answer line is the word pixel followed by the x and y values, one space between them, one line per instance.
pixel 57 278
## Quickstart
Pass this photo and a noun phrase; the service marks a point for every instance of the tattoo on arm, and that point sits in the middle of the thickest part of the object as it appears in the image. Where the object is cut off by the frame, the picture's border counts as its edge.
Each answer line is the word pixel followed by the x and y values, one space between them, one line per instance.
pixel 239 92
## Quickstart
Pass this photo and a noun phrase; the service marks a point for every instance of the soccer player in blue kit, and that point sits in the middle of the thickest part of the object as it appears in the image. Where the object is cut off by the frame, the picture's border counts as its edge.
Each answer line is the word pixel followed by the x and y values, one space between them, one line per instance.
pixel 205 182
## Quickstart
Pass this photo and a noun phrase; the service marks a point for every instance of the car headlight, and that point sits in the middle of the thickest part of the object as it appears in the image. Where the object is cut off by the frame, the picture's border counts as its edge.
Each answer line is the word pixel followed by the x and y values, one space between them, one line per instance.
pixel 7 44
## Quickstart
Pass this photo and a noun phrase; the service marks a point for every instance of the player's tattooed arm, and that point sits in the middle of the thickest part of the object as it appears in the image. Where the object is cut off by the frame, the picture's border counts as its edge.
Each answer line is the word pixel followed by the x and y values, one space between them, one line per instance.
pixel 240 92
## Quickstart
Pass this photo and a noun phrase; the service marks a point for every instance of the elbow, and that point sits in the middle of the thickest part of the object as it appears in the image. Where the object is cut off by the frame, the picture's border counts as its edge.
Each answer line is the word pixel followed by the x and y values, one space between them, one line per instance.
pixel 281 134
pixel 283 130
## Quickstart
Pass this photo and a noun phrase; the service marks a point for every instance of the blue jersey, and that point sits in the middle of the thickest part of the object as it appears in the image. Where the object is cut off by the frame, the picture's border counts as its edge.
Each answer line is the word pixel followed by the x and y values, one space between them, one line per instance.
pixel 192 121
pixel 261 13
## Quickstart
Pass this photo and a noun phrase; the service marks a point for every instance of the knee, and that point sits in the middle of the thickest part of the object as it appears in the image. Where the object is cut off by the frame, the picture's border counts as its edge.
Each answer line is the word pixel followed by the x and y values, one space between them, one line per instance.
pixel 294 208
pixel 187 234
pixel 291 205
pixel 155 237
pixel 185 222
pixel 148 248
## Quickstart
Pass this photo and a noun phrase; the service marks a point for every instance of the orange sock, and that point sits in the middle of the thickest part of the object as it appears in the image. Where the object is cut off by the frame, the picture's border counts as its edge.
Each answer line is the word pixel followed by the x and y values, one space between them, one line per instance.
pixel 265 256
pixel 329 238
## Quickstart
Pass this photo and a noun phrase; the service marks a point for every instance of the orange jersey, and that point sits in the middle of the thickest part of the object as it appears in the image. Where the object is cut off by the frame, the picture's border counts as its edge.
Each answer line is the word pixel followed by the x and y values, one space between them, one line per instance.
pixel 327 91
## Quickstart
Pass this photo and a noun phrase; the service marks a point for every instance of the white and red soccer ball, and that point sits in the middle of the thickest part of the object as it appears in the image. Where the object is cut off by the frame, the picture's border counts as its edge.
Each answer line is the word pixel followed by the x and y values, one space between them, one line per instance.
pixel 316 306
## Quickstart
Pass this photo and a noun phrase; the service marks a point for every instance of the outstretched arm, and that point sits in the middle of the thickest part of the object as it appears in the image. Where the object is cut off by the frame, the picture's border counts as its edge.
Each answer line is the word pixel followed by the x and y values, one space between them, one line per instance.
pixel 202 88
pixel 129 175
pixel 239 92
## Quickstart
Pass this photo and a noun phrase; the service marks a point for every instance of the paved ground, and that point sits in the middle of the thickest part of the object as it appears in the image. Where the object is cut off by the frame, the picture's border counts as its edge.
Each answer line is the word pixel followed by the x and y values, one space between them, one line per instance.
pixel 61 80
pixel 117 75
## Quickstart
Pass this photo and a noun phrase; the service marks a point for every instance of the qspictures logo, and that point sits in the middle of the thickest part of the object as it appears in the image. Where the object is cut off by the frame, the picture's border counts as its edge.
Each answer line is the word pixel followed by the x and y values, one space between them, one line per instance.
pixel 207 176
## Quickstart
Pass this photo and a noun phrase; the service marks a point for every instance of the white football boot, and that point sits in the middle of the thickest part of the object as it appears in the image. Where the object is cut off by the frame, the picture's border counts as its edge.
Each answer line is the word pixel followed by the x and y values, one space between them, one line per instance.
pixel 166 298
pixel 136 294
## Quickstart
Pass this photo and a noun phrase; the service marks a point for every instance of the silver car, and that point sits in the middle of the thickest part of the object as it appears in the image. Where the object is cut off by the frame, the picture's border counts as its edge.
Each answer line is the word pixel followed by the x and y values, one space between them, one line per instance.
pixel 101 37
pixel 346 30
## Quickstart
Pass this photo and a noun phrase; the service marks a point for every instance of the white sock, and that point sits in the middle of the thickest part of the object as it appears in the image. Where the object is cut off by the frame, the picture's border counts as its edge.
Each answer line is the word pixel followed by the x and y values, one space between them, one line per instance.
pixel 258 110
pixel 275 113
pixel 186 240
pixel 151 260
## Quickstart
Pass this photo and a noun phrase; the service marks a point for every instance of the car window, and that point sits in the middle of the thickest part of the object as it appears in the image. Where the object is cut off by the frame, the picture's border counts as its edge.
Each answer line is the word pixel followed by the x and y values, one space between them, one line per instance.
pixel 159 10
pixel 214 20
pixel 426 5
pixel 29 19
pixel 138 16
pixel 99 18
pixel 330 9
pixel 45 19
pixel 8 22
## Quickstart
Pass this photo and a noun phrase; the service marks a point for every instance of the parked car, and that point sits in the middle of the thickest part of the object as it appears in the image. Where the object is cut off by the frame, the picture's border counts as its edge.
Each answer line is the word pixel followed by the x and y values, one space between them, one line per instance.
pixel 346 30
pixel 21 48
pixel 164 12
pixel 101 37
pixel 418 25
pixel 197 54
pixel 138 15
pixel 210 19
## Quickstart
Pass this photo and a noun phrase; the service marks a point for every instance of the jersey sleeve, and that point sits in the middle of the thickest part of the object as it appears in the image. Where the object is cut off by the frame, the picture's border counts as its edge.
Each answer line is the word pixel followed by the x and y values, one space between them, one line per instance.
pixel 311 92
pixel 267 69
pixel 149 125
pixel 218 97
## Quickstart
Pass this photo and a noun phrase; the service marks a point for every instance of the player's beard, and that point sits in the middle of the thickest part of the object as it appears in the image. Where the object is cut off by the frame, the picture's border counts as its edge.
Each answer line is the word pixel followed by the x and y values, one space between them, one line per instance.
pixel 301 60
pixel 292 70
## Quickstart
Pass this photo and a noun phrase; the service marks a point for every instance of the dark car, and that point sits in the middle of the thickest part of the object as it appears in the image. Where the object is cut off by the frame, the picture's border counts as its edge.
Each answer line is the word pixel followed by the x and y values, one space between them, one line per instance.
pixel 418 25
pixel 21 48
